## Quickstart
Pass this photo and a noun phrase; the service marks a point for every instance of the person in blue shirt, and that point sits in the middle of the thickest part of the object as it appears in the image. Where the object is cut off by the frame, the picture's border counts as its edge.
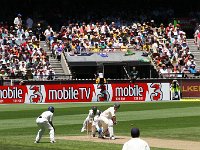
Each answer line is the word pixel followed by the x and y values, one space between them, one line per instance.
pixel 192 69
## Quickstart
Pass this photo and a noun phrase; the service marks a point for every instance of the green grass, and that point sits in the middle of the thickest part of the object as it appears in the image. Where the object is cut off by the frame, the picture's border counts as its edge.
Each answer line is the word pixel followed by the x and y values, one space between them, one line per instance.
pixel 171 120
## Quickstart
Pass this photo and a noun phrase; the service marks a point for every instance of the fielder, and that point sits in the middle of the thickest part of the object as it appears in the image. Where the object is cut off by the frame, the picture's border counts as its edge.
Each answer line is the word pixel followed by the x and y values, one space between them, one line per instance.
pixel 93 118
pixel 44 121
pixel 108 119
pixel 135 142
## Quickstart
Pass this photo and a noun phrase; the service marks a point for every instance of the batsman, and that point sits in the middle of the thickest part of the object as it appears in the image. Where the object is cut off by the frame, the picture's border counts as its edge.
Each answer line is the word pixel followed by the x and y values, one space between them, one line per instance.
pixel 107 119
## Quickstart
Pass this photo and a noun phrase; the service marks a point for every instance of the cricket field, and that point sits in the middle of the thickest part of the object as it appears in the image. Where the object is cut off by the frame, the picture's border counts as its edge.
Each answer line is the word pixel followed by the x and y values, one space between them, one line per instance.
pixel 170 121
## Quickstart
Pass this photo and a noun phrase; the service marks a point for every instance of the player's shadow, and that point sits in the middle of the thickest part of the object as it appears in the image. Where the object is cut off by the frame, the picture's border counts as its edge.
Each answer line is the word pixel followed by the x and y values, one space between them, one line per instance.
pixel 119 138
pixel 116 138
pixel 44 143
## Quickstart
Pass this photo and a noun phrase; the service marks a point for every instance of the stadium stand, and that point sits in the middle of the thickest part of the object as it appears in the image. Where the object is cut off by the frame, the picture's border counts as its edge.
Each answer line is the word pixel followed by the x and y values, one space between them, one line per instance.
pixel 89 46
pixel 94 41
pixel 21 55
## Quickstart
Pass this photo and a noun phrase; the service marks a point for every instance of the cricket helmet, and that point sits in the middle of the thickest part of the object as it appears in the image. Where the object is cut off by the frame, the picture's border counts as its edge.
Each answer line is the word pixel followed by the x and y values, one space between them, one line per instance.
pixel 116 105
pixel 94 108
pixel 135 132
pixel 51 109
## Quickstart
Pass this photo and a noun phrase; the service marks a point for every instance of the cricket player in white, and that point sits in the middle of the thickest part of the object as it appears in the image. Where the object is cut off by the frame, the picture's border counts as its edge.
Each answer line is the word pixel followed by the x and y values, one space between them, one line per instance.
pixel 108 119
pixel 92 117
pixel 44 121
pixel 96 125
pixel 136 143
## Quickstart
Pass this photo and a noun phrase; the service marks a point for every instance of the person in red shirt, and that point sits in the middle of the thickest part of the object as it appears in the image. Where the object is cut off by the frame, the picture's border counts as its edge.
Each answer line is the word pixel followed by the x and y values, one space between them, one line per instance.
pixel 198 40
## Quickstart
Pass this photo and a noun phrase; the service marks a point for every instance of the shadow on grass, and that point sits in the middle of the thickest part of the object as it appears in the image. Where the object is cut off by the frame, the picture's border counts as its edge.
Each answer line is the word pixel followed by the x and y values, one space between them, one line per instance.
pixel 22 147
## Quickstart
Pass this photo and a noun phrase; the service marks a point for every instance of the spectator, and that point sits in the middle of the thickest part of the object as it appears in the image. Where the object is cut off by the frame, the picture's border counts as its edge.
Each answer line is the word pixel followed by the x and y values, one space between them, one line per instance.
pixel 191 62
pixel 51 39
pixel 20 32
pixel 192 69
pixel 136 142
pixel 29 23
pixel 3 73
pixel 185 71
pixel 47 32
pixel 163 70
pixel 40 74
pixel 50 75
pixel 197 37
pixel 38 31
pixel 174 61
pixel 18 21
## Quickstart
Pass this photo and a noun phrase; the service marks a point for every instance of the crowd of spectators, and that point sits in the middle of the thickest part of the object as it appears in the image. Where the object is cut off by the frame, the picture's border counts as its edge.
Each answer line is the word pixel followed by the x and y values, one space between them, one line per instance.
pixel 172 56
pixel 20 53
pixel 165 45
pixel 22 57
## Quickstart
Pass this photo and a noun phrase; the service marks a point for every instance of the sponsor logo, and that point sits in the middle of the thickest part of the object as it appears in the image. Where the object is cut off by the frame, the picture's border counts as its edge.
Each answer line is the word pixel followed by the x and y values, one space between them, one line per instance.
pixel 36 96
pixel 69 93
pixel 194 88
pixel 129 91
pixel 11 92
pixel 157 93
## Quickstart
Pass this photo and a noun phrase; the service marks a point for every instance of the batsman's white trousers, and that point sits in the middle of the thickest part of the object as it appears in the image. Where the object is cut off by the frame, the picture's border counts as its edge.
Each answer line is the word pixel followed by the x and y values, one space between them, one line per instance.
pixel 107 124
pixel 44 124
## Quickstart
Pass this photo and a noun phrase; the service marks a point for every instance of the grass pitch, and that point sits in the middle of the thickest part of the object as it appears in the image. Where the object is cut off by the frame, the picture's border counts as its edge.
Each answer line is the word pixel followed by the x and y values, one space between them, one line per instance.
pixel 170 120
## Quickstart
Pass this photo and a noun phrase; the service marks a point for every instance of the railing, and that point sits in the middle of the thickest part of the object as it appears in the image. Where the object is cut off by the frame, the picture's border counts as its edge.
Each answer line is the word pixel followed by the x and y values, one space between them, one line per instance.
pixel 38 77
pixel 180 75
pixel 112 49
pixel 70 77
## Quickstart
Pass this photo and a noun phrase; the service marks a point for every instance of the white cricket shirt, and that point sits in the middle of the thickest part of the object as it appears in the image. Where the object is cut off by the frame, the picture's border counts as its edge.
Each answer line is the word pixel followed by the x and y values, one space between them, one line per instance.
pixel 109 113
pixel 47 115
pixel 136 144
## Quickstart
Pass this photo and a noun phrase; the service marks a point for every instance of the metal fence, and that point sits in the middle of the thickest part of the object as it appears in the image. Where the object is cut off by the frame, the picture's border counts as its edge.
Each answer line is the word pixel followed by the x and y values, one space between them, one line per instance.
pixel 65 79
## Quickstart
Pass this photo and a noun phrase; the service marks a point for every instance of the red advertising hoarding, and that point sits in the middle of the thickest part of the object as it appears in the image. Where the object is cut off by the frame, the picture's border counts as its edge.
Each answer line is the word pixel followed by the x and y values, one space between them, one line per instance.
pixel 12 94
pixel 84 93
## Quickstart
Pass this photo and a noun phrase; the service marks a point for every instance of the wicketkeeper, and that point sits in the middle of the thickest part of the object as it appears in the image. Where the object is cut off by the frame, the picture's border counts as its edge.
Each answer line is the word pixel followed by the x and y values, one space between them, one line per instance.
pixel 92 119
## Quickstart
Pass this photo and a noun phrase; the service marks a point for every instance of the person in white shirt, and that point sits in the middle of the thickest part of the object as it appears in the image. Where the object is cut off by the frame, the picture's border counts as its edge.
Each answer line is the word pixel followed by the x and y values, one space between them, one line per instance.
pixel 20 32
pixel 22 66
pixel 50 74
pixel 105 28
pixel 41 74
pixel 92 118
pixel 108 119
pixel 18 21
pixel 47 33
pixel 44 121
pixel 135 142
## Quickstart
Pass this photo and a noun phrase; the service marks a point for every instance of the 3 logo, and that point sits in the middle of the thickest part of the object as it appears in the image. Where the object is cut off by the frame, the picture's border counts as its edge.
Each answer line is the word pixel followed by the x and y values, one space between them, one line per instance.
pixel 157 94
pixel 36 96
